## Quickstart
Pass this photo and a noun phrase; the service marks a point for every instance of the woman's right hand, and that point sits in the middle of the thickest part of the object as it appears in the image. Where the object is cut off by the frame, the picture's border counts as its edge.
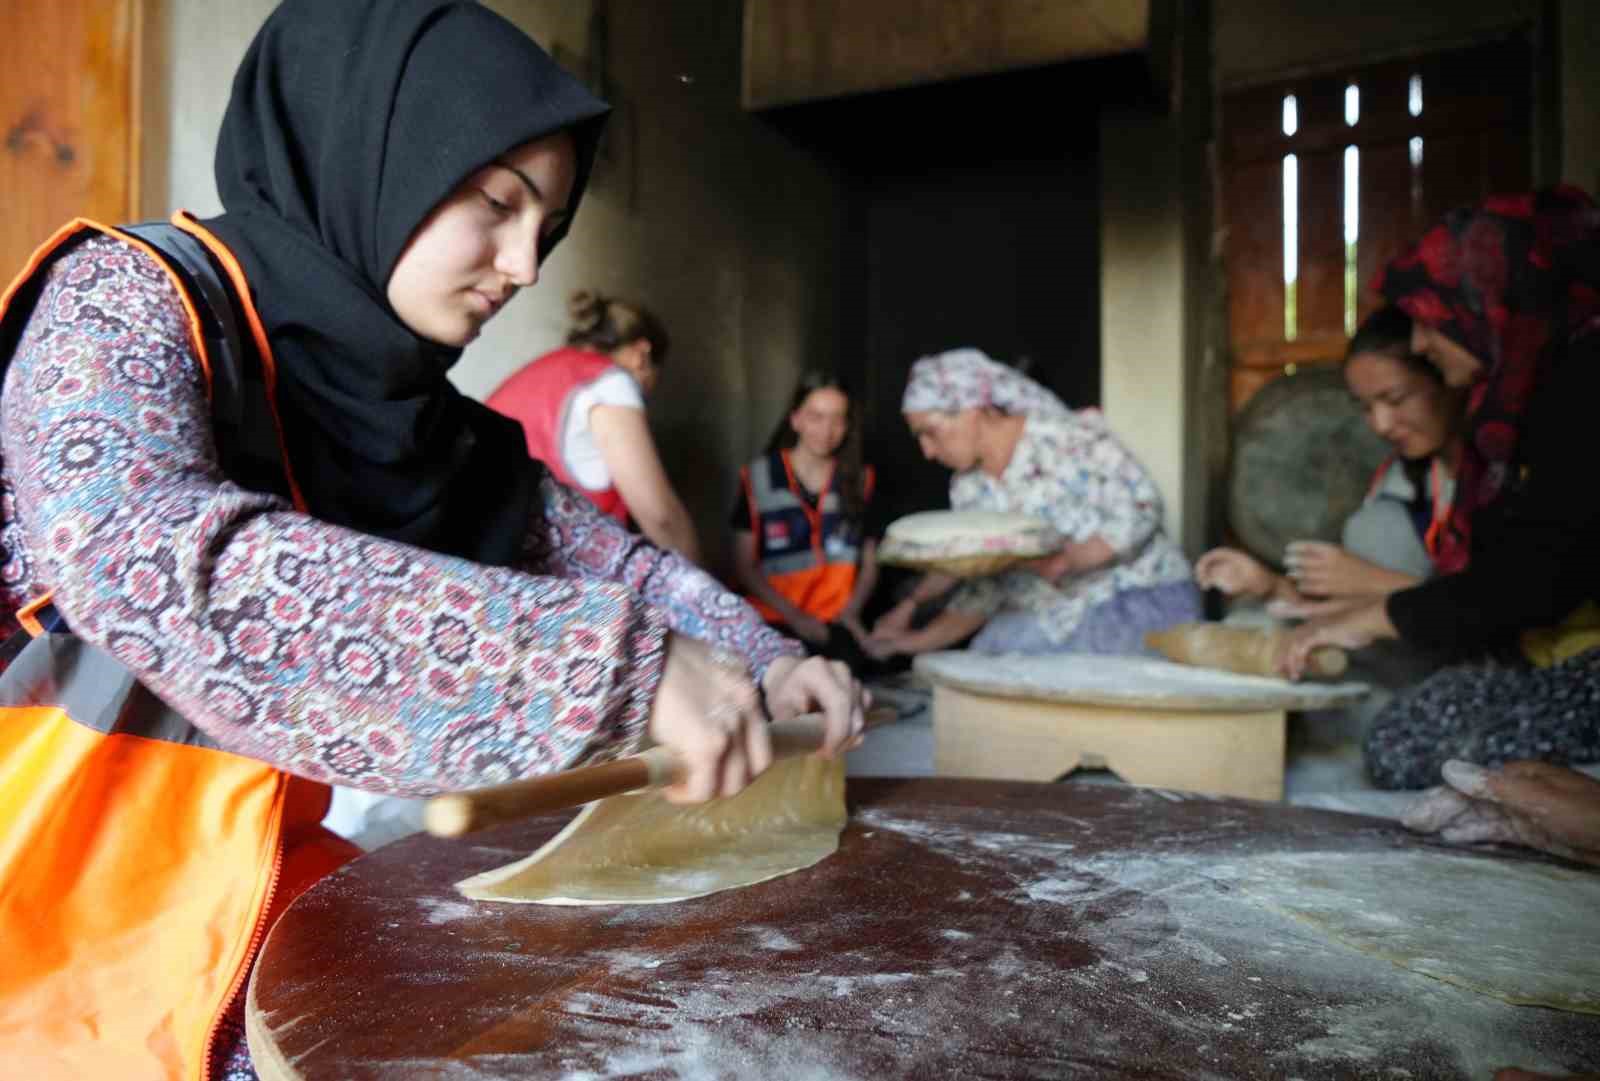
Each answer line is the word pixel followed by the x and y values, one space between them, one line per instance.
pixel 1233 572
pixel 1320 569
pixel 707 710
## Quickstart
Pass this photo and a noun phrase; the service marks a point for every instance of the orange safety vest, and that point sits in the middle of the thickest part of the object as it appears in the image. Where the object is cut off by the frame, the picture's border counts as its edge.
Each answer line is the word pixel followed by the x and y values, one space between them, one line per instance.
pixel 1439 485
pixel 140 864
pixel 808 552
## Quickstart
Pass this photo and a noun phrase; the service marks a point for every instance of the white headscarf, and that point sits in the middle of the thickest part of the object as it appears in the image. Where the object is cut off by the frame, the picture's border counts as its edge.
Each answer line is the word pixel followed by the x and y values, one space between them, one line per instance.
pixel 961 379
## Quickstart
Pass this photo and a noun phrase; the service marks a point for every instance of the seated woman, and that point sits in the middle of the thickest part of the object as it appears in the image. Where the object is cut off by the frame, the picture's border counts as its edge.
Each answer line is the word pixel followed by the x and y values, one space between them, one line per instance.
pixel 582 410
pixel 1015 447
pixel 1393 540
pixel 801 547
pixel 1505 298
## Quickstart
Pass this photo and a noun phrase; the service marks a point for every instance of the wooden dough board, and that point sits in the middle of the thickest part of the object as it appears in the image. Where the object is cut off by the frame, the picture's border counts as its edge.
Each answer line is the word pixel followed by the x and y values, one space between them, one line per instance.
pixel 1139 682
pixel 965 928
pixel 1302 461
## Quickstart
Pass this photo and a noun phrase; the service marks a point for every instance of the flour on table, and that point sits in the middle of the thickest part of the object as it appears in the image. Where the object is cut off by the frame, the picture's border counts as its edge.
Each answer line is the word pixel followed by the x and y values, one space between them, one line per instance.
pixel 1520 931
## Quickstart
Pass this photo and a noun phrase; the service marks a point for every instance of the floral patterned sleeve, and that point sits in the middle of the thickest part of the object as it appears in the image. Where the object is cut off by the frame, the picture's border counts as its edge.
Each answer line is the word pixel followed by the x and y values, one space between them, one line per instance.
pixel 1115 498
pixel 575 540
pixel 326 652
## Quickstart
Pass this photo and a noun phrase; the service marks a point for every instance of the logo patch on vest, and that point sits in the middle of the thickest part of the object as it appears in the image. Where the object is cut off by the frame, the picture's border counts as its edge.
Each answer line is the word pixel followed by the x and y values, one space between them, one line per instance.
pixel 777 532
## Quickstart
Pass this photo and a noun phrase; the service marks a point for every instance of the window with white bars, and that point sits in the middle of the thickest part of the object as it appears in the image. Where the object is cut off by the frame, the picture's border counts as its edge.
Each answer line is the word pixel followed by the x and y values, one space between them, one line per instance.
pixel 1326 177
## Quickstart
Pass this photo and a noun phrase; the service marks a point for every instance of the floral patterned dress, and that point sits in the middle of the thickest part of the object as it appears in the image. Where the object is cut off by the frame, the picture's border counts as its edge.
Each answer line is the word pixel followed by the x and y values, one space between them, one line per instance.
pixel 1071 470
pixel 326 652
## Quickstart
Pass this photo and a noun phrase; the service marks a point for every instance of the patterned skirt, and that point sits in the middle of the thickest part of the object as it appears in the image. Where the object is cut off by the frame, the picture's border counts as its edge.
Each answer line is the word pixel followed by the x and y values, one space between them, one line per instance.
pixel 1115 626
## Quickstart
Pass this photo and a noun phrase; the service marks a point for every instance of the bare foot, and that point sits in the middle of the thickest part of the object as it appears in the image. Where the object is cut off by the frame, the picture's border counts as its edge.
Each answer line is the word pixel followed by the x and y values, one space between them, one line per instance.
pixel 1550 808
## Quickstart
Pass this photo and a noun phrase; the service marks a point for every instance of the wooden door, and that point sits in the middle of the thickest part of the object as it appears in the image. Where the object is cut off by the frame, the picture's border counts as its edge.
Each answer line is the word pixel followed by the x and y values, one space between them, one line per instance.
pixel 69 103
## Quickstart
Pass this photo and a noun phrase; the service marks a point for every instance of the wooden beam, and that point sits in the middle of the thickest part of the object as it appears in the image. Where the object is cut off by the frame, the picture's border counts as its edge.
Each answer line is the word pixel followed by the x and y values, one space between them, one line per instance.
pixel 69 118
pixel 805 50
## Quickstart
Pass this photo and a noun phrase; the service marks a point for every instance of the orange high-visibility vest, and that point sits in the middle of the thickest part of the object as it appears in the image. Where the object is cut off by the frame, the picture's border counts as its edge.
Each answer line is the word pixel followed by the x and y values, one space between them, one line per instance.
pixel 809 552
pixel 140 864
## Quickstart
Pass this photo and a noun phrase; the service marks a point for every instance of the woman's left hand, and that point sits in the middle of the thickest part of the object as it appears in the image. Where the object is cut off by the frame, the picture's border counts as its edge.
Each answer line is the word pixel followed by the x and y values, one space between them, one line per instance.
pixel 1354 628
pixel 793 686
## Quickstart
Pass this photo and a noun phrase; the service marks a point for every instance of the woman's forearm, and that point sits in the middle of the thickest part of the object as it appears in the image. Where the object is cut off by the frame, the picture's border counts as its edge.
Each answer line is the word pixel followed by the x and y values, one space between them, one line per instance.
pixel 1381 581
pixel 866 582
pixel 672 529
pixel 756 585
pixel 572 540
pixel 930 587
pixel 1089 555
pixel 947 628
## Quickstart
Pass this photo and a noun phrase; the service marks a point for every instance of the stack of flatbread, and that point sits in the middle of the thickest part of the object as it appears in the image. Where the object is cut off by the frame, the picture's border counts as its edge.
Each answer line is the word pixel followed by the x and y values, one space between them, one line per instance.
pixel 967 543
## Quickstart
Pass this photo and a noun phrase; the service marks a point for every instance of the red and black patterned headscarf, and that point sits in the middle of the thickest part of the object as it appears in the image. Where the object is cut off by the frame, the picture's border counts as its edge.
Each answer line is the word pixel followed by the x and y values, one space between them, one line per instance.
pixel 1513 280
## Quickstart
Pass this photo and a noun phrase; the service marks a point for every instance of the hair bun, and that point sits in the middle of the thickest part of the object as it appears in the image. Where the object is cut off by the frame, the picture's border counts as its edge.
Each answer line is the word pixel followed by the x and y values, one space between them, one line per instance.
pixel 586 308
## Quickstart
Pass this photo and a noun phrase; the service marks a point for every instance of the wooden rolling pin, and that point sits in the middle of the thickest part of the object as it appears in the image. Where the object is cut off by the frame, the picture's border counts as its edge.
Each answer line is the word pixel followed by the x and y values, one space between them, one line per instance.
pixel 1249 651
pixel 456 813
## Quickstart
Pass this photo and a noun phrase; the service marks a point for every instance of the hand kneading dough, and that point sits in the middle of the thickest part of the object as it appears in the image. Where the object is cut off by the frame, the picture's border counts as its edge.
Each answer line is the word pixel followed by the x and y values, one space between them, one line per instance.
pixel 639 849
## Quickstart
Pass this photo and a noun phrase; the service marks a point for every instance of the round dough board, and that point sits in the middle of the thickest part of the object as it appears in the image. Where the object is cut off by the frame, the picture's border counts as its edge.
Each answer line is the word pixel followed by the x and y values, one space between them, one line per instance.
pixel 963 929
pixel 1303 459
pixel 1138 682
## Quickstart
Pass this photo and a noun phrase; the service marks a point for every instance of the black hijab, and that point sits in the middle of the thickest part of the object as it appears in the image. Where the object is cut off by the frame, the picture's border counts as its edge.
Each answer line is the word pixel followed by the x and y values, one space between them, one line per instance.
pixel 349 121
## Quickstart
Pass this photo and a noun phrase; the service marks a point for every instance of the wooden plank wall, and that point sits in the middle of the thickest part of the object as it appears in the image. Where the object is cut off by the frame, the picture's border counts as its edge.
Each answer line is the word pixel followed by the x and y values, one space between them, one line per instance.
pixel 69 103
pixel 807 50
pixel 1475 126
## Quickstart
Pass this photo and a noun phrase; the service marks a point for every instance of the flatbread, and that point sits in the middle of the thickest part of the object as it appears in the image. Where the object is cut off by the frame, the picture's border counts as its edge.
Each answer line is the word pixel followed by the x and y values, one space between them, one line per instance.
pixel 1518 931
pixel 967 543
pixel 639 849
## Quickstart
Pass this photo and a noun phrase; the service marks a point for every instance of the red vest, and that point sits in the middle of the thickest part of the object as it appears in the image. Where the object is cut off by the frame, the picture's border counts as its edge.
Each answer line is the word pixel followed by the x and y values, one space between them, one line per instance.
pixel 539 396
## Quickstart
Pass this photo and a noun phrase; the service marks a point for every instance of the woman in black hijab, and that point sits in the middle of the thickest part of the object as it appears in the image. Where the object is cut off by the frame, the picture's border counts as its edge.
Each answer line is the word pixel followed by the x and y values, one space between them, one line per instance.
pixel 308 558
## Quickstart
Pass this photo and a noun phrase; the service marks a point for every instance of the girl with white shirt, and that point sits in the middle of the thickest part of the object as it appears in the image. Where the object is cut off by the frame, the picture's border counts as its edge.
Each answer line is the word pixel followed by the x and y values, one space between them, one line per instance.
pixel 582 410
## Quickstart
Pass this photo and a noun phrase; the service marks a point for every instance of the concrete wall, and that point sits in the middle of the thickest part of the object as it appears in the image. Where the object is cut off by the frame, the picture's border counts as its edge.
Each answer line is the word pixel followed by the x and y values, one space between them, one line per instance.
pixel 1142 379
pixel 1159 376
pixel 699 211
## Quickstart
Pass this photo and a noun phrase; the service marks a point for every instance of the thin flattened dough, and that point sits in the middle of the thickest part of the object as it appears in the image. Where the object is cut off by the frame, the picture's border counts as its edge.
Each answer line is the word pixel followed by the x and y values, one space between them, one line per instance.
pixel 1519 931
pixel 639 849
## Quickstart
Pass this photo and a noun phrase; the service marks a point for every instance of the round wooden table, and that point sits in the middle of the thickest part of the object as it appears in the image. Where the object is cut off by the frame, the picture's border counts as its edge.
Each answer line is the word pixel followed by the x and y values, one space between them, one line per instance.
pixel 964 929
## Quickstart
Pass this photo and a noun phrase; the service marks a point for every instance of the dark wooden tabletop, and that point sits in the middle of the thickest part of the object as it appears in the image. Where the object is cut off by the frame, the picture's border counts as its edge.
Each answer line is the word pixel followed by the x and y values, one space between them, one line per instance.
pixel 964 929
